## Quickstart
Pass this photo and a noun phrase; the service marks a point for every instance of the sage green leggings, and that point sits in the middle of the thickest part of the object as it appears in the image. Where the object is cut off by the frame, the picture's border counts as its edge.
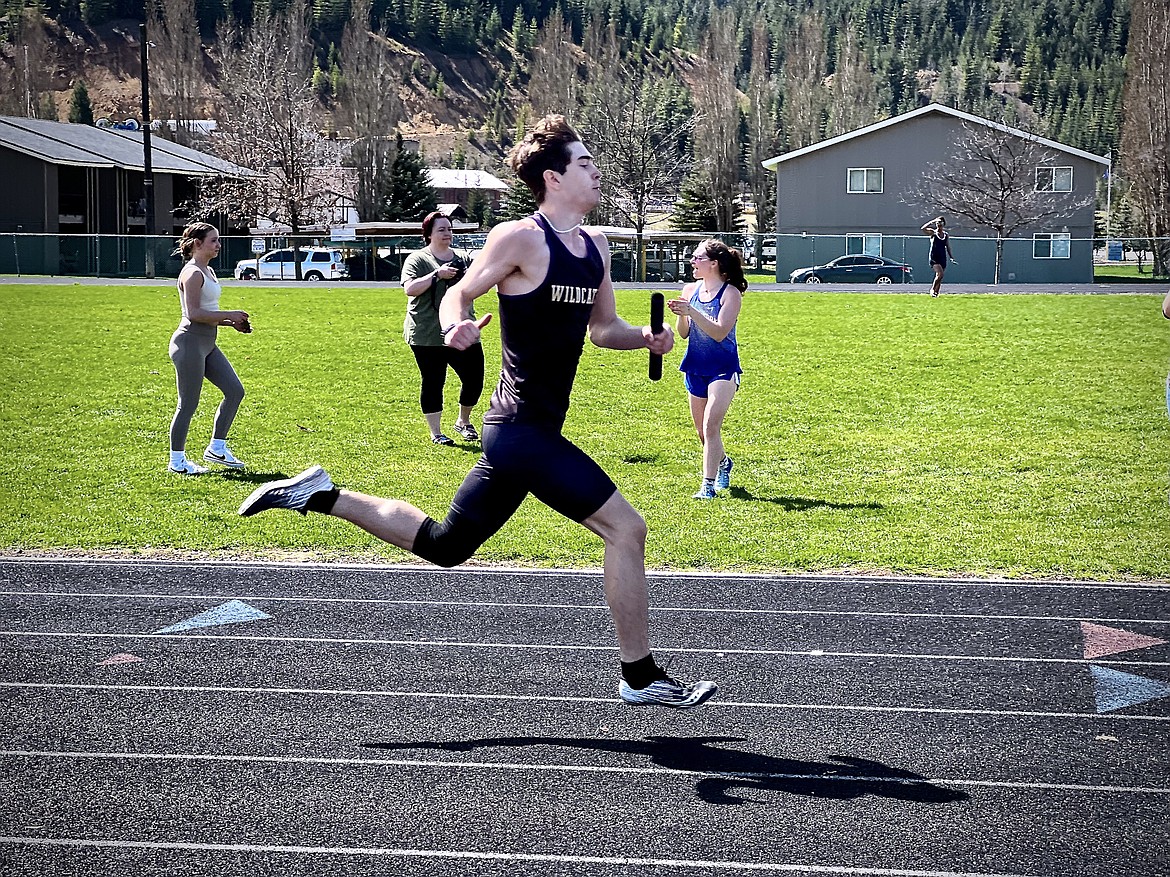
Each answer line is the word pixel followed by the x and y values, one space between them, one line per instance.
pixel 196 356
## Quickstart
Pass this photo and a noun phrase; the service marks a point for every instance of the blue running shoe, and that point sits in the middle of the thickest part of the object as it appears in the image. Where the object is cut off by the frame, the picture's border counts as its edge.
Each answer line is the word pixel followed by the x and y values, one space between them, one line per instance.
pixel 707 491
pixel 289 493
pixel 723 479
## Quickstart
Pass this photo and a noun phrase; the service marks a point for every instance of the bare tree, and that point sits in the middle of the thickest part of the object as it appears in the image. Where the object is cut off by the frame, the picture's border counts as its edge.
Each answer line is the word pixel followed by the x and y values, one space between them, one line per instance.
pixel 372 106
pixel 717 112
pixel 268 126
pixel 854 102
pixel 991 181
pixel 34 64
pixel 555 81
pixel 764 141
pixel 176 63
pixel 804 76
pixel 1145 132
pixel 632 136
pixel 11 91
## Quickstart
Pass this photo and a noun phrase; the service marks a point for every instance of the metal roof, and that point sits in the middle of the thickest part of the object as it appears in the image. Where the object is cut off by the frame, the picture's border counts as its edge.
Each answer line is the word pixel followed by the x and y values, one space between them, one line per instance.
pixel 463 178
pixel 771 163
pixel 64 143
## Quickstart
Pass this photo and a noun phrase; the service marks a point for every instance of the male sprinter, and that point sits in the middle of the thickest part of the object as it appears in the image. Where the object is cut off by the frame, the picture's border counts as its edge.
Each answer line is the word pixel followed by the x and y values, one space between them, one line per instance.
pixel 553 281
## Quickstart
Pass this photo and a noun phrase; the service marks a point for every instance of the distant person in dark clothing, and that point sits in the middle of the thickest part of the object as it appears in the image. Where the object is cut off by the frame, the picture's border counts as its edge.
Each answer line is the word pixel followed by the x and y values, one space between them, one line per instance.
pixel 554 288
pixel 940 251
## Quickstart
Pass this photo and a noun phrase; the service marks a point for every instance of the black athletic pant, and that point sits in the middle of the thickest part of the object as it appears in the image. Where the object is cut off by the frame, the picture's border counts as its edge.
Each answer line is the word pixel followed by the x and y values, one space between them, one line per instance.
pixel 432 365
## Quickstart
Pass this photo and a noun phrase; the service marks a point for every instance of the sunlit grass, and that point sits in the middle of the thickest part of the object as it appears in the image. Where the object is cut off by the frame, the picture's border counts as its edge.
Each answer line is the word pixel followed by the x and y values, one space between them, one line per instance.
pixel 1024 435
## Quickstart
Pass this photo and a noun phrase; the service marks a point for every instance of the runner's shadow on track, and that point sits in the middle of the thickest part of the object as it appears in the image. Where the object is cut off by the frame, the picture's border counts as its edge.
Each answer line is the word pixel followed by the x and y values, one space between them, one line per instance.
pixel 725 774
pixel 802 503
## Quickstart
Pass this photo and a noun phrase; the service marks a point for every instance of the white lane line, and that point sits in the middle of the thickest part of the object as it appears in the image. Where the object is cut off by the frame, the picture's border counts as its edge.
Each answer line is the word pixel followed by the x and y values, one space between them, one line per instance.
pixel 469 855
pixel 842 578
pixel 575 768
pixel 548 698
pixel 562 647
pixel 587 607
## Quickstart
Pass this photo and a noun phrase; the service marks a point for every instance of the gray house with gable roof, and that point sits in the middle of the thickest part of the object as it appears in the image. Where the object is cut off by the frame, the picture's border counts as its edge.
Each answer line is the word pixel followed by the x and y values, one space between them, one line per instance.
pixel 848 194
pixel 68 179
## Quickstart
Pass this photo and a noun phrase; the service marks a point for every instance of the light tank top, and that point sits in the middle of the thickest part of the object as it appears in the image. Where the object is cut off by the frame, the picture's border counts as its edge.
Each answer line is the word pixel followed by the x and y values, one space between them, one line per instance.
pixel 208 295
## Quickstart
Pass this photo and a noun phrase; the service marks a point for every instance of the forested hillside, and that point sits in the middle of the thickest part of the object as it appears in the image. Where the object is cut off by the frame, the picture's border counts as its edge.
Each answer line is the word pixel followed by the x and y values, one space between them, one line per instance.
pixel 714 88
pixel 1063 59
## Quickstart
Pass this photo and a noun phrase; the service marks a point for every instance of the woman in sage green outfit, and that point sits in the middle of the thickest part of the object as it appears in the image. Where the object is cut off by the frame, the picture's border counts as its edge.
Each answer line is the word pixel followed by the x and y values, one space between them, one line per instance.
pixel 426 275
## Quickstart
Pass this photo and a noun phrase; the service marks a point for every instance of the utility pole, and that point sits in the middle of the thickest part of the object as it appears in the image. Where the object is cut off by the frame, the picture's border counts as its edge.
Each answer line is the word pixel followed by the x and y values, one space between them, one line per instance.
pixel 147 172
pixel 1108 193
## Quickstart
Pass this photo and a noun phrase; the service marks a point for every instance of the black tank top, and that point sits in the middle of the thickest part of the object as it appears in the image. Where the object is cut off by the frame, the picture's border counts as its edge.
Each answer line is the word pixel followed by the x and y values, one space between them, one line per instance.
pixel 938 248
pixel 542 334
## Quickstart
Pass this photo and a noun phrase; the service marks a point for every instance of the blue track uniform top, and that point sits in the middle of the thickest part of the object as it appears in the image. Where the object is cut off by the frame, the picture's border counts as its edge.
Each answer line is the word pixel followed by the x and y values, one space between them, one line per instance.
pixel 706 356
pixel 542 334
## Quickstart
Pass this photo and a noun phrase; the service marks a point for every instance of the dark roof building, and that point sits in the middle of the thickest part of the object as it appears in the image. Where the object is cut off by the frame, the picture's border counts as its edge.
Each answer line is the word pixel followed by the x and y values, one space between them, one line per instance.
pixel 66 179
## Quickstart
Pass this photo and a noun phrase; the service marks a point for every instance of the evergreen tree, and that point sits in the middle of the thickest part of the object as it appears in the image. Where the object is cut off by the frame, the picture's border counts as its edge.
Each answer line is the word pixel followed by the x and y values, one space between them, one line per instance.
pixel 695 209
pixel 519 202
pixel 408 195
pixel 320 83
pixel 1032 72
pixel 479 209
pixel 47 109
pixel 80 109
pixel 96 11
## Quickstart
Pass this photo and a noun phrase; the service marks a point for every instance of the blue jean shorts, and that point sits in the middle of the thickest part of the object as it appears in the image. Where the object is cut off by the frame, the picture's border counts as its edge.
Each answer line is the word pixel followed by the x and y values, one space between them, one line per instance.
pixel 697 384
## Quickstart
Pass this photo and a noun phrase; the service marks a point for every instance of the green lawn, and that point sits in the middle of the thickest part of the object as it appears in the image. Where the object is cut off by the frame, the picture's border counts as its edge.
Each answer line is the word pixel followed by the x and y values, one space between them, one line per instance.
pixel 1126 272
pixel 1024 435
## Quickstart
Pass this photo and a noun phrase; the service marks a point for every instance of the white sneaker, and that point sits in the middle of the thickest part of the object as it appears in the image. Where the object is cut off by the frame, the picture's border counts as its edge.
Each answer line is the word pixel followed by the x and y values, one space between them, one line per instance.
pixel 227 458
pixel 668 692
pixel 288 493
pixel 188 467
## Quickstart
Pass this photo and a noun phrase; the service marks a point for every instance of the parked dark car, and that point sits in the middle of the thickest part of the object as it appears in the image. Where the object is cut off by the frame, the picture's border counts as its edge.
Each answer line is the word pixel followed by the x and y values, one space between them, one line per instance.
pixel 366 266
pixel 660 267
pixel 855 269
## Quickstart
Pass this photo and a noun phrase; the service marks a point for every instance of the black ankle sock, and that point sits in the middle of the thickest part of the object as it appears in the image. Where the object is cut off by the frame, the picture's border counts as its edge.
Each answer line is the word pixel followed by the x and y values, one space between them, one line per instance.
pixel 322 501
pixel 640 673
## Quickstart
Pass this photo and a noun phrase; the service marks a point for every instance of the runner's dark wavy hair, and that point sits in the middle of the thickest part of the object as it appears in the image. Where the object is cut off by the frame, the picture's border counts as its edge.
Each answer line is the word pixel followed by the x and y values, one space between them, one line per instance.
pixel 730 262
pixel 544 148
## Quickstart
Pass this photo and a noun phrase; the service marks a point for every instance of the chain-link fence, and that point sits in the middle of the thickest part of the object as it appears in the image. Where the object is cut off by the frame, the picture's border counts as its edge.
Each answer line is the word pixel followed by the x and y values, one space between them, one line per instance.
pixel 1040 258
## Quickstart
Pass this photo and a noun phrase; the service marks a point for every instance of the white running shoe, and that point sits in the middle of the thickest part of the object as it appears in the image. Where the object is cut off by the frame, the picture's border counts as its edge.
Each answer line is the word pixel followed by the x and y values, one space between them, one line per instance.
pixel 288 493
pixel 227 458
pixel 188 467
pixel 668 692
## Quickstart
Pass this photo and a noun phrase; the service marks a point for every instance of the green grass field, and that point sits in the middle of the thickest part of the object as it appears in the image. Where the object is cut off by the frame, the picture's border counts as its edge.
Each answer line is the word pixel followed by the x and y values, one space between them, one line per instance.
pixel 994 434
pixel 1126 272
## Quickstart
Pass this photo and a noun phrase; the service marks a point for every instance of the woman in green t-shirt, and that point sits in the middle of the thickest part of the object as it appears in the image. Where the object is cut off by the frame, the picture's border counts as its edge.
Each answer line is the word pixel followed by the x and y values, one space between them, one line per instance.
pixel 426 274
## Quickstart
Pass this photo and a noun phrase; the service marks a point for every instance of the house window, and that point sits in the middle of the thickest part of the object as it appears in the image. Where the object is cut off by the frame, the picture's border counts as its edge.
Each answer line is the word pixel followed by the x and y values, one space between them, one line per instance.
pixel 865 180
pixel 1054 179
pixel 869 244
pixel 1050 246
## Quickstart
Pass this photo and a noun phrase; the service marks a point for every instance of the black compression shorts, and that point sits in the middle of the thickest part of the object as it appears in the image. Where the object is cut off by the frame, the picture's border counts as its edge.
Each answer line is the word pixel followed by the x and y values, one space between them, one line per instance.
pixel 517 460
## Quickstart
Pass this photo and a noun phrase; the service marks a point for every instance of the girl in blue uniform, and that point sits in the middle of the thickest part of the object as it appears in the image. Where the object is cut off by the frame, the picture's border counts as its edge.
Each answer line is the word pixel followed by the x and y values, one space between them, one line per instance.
pixel 707 311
